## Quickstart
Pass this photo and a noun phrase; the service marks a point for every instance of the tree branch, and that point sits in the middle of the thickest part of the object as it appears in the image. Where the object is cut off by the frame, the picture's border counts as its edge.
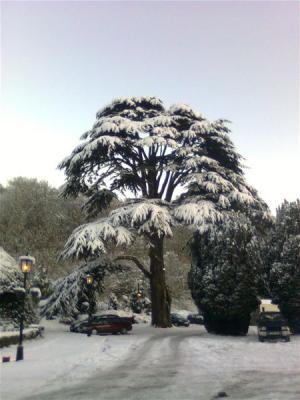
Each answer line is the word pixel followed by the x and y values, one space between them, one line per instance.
pixel 170 187
pixel 140 266
pixel 163 187
pixel 140 161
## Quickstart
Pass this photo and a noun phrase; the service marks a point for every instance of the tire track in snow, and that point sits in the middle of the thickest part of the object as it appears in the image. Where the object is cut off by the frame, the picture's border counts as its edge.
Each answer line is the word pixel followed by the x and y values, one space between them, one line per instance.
pixel 149 372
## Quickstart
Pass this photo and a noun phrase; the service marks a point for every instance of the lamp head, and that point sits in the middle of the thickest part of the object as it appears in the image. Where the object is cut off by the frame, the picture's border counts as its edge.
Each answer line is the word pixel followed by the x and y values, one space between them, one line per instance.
pixel 26 263
pixel 89 279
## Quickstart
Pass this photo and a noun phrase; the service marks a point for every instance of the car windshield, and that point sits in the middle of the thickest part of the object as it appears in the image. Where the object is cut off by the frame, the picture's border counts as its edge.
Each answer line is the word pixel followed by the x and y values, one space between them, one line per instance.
pixel 271 317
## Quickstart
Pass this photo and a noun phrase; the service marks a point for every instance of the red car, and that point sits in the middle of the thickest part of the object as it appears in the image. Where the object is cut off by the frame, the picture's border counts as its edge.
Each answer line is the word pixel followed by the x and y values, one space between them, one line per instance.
pixel 103 324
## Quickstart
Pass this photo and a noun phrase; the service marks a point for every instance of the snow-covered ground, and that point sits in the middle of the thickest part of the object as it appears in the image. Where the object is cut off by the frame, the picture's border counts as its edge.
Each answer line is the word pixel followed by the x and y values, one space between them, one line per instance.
pixel 148 364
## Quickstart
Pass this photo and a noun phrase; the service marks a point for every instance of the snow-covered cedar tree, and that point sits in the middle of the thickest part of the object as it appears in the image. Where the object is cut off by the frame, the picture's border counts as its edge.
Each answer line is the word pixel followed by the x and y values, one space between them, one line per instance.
pixel 225 273
pixel 71 294
pixel 150 154
pixel 12 292
pixel 285 265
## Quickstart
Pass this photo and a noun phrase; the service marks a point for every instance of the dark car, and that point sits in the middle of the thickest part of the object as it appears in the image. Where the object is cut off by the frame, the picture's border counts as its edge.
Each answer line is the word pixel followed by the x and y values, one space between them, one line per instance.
pixel 272 325
pixel 196 319
pixel 103 324
pixel 179 320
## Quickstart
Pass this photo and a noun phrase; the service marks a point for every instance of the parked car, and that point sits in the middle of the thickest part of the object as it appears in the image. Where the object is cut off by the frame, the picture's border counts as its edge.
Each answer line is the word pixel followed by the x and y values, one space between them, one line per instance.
pixel 179 320
pixel 196 319
pixel 103 324
pixel 130 319
pixel 272 325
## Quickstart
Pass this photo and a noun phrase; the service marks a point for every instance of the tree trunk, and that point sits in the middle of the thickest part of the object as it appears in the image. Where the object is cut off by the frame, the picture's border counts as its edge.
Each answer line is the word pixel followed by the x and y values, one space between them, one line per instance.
pixel 160 296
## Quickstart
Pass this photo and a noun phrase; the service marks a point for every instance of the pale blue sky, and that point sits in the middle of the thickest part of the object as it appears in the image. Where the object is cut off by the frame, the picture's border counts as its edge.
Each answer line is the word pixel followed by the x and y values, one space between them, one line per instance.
pixel 62 61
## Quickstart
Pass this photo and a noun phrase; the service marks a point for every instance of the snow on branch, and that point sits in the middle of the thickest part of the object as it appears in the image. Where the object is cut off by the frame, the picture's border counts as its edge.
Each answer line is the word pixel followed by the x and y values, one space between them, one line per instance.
pixel 185 110
pixel 159 140
pixel 203 178
pixel 110 142
pixel 141 217
pixel 89 239
pixel 115 125
pixel 199 161
pixel 241 197
pixel 197 214
pixel 124 103
pixel 145 216
pixel 201 127
pixel 164 121
pixel 154 216
pixel 151 218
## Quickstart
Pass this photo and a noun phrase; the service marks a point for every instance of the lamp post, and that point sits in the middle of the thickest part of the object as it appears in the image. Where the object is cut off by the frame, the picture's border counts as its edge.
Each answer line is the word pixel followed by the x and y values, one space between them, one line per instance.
pixel 89 279
pixel 25 263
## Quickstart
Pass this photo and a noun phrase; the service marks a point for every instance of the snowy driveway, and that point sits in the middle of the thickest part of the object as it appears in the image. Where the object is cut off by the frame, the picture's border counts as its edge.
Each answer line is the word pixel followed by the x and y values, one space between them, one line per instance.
pixel 154 364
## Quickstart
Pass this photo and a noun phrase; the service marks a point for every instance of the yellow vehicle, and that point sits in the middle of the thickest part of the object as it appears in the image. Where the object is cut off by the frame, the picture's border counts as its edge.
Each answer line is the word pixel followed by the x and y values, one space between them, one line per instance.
pixel 267 306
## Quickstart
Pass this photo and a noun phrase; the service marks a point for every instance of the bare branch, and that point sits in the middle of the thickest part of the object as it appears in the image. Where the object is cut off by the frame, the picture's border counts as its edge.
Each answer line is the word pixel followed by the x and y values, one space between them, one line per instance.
pixel 137 262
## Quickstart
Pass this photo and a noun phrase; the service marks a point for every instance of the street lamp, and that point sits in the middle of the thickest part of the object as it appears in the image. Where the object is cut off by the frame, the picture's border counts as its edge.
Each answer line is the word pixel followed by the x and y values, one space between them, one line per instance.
pixel 89 280
pixel 25 263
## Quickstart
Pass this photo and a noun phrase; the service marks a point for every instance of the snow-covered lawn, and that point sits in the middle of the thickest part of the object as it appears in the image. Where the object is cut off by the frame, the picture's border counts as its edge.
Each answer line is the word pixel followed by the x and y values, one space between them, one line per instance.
pixel 148 363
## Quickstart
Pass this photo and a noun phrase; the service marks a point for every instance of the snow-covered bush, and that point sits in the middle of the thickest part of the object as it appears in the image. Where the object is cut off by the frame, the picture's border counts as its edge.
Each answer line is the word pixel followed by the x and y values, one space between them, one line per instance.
pixel 35 293
pixel 12 293
pixel 225 274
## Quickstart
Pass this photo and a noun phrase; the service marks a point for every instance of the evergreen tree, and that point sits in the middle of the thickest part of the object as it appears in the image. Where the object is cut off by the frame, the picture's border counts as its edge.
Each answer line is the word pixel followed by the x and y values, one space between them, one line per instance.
pixel 285 262
pixel 137 147
pixel 71 295
pixel 225 274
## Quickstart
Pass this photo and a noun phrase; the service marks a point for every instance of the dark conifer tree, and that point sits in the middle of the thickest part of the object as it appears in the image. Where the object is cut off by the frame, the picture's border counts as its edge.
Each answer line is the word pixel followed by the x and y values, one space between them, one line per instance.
pixel 225 274
pixel 285 262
